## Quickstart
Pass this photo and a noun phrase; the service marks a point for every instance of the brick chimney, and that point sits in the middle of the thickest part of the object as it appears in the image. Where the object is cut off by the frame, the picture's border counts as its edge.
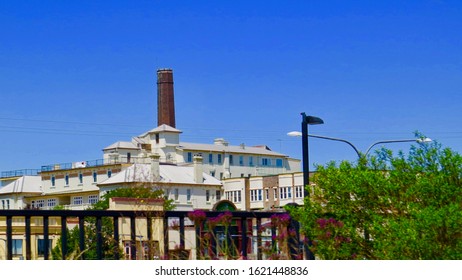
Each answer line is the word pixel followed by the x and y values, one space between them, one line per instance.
pixel 165 99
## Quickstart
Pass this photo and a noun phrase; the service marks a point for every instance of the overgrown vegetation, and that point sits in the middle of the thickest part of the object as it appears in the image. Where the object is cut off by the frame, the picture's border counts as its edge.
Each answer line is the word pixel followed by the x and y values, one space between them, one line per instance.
pixel 387 206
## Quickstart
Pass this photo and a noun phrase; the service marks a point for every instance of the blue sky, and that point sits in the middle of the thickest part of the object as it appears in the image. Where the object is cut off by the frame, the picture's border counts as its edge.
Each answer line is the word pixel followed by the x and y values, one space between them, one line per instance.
pixel 77 76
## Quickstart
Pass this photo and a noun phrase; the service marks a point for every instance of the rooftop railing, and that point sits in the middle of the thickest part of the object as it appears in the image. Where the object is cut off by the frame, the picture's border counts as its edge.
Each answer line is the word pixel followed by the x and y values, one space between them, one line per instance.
pixel 19 173
pixel 94 163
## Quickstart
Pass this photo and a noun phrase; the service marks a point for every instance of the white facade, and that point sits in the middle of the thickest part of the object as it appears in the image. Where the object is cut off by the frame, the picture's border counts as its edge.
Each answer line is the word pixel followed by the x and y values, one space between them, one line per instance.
pixel 265 192
pixel 14 194
pixel 187 186
pixel 220 159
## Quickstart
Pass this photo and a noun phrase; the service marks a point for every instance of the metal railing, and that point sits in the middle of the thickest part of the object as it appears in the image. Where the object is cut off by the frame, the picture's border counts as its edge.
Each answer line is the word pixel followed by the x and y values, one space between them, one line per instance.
pixel 249 226
pixel 94 163
pixel 18 173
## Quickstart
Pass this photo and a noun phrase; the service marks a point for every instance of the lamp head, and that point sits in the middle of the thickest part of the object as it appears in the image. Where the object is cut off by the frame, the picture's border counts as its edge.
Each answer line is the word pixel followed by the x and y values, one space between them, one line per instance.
pixel 295 134
pixel 424 140
pixel 311 119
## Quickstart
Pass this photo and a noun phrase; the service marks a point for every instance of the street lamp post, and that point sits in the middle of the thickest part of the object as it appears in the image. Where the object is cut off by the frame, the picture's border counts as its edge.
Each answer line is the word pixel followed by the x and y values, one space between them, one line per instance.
pixel 307 120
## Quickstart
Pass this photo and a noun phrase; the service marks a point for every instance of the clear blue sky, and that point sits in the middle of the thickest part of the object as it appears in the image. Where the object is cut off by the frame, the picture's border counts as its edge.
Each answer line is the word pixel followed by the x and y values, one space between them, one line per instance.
pixel 77 76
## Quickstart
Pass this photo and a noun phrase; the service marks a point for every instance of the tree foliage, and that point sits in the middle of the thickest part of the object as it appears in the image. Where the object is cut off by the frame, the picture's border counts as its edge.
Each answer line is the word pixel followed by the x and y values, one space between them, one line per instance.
pixel 387 207
pixel 109 247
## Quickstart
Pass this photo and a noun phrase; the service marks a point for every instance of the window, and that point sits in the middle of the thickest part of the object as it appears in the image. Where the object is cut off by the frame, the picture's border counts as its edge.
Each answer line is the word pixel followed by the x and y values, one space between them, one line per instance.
pixel 278 162
pixel 77 200
pixel 80 178
pixel 188 194
pixel 95 176
pixel 210 158
pixel 212 173
pixel 129 157
pixel 109 173
pixel 66 180
pixel 17 247
pixel 53 180
pixel 189 155
pixel 265 161
pixel 92 199
pixel 256 195
pixel 250 161
pixel 177 194
pixel 275 191
pixel 231 159
pixel 157 138
pixel 221 175
pixel 266 194
pixel 298 192
pixel 41 246
pixel 218 195
pixel 127 249
pixel 289 192
pixel 219 159
pixel 6 204
pixel 51 202
pixel 235 196
pixel 207 195
pixel 38 203
pixel 241 160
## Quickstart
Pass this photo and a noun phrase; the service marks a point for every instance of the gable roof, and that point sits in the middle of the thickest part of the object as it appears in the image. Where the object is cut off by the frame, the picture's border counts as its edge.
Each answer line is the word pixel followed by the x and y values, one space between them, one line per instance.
pixel 162 128
pixel 24 184
pixel 122 145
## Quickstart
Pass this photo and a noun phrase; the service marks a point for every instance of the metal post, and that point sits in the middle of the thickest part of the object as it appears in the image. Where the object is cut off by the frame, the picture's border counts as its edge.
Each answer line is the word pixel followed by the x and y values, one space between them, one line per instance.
pixel 306 169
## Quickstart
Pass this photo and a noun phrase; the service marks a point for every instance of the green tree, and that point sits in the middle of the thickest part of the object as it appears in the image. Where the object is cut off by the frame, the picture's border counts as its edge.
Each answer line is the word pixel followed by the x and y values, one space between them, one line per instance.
pixel 387 207
pixel 107 229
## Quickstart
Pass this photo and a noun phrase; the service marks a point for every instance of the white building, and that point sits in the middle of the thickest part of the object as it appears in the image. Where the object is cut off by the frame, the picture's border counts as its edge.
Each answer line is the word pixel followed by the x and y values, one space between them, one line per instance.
pixel 188 186
pixel 220 159
pixel 14 194
pixel 264 192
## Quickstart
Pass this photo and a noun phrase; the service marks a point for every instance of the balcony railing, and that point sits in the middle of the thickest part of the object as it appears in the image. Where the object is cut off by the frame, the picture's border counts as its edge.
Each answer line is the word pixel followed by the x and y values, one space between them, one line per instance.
pixel 247 235
pixel 18 173
pixel 94 163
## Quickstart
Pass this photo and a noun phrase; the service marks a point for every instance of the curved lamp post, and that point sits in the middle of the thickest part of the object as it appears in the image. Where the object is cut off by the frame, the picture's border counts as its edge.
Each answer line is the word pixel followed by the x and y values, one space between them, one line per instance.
pixel 307 120
pixel 418 140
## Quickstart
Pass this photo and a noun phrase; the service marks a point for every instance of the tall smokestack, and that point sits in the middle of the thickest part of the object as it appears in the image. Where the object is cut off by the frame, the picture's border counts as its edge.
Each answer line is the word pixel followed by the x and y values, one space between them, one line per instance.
pixel 165 100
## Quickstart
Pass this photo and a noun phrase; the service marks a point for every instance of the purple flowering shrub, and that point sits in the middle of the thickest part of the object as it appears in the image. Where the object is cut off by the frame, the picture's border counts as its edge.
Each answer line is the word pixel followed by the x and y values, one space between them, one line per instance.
pixel 331 240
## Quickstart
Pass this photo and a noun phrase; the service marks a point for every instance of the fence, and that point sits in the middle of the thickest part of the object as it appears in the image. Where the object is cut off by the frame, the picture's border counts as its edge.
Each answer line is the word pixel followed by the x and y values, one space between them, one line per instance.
pixel 257 235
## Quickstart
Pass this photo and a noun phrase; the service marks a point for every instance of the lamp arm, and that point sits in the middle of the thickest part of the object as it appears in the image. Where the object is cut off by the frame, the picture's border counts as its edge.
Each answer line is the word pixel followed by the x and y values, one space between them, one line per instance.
pixel 337 139
pixel 388 141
